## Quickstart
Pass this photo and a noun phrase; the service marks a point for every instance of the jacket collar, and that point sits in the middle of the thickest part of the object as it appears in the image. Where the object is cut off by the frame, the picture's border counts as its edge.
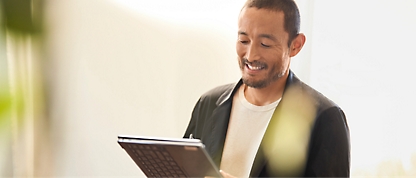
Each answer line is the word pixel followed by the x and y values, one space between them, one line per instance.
pixel 219 121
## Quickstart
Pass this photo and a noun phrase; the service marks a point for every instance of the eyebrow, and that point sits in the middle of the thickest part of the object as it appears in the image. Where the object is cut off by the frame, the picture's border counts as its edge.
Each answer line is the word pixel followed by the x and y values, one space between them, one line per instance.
pixel 242 33
pixel 268 36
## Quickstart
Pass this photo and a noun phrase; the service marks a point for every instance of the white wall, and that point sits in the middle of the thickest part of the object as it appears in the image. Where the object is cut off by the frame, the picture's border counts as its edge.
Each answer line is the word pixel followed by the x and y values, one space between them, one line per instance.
pixel 138 67
pixel 119 70
pixel 362 57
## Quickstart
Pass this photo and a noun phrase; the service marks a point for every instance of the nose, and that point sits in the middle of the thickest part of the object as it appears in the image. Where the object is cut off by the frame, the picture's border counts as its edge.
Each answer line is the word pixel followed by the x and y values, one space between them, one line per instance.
pixel 252 53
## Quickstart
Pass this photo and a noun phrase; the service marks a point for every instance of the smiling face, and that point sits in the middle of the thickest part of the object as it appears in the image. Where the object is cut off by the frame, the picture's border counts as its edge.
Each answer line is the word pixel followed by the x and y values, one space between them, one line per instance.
pixel 262 47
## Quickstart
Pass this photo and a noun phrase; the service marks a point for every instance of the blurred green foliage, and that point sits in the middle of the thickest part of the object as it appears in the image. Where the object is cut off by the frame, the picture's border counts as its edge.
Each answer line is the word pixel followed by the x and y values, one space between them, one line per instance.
pixel 17 17
pixel 5 104
pixel 22 16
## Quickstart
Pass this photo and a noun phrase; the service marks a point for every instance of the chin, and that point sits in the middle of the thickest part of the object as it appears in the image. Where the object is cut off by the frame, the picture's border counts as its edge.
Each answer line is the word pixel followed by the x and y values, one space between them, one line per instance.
pixel 255 84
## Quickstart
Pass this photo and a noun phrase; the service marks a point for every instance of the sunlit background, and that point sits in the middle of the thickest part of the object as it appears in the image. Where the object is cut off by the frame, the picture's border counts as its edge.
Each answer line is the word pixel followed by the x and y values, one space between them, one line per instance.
pixel 75 74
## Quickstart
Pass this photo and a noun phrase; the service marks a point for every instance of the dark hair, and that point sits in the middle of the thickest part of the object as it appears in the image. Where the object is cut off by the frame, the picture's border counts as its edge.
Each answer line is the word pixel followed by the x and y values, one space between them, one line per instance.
pixel 289 9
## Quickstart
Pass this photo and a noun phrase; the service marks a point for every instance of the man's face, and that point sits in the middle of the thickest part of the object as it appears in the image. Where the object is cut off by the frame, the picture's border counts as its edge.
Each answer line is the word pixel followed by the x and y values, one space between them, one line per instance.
pixel 262 47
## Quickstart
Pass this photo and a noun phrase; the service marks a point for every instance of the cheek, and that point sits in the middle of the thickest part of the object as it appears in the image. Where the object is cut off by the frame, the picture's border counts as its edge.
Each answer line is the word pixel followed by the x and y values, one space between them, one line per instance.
pixel 279 60
pixel 240 50
pixel 286 58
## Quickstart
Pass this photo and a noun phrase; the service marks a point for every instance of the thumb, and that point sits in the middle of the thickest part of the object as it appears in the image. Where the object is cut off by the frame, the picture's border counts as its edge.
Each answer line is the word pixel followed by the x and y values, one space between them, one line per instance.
pixel 226 175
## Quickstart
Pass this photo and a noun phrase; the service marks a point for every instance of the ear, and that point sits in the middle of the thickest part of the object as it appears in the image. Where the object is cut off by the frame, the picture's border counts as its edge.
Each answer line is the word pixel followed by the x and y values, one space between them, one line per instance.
pixel 297 44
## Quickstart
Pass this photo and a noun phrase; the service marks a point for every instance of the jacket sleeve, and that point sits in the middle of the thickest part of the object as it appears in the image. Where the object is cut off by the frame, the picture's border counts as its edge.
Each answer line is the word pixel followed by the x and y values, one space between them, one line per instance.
pixel 329 151
pixel 191 129
pixel 201 113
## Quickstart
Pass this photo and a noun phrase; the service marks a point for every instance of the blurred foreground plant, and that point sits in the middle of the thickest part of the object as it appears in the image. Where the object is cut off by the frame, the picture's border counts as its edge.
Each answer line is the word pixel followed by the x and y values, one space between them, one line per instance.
pixel 21 93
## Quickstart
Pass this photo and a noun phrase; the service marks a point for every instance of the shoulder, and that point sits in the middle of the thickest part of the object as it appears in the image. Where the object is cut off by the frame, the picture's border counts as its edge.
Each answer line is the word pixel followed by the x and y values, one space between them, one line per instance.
pixel 219 94
pixel 326 110
pixel 321 102
pixel 329 145
pixel 218 91
pixel 205 107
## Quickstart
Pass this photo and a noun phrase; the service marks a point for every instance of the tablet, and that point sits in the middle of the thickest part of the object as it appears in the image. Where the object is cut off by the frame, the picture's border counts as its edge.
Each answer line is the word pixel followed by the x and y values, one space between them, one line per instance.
pixel 166 157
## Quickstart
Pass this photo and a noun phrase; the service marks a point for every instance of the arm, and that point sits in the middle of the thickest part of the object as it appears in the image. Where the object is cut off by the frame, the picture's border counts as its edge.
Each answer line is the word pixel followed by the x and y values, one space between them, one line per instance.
pixel 329 152
pixel 191 129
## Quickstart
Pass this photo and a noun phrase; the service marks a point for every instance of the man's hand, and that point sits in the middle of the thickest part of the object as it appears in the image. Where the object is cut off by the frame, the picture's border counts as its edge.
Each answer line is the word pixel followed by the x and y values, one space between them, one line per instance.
pixel 226 175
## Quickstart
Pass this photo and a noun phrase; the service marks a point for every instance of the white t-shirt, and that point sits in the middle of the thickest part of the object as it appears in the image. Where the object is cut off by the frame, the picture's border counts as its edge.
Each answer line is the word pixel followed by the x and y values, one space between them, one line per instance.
pixel 246 129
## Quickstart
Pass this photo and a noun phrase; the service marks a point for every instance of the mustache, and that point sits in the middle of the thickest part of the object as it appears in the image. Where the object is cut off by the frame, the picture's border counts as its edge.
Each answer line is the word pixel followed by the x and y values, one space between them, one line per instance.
pixel 254 63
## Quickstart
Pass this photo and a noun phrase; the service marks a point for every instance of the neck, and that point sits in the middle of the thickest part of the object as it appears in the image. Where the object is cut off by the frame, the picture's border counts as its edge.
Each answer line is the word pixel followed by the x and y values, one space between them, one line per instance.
pixel 268 94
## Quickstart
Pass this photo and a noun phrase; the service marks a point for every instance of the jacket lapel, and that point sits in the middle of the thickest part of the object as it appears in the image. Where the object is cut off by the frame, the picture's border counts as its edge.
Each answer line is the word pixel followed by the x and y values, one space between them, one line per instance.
pixel 218 124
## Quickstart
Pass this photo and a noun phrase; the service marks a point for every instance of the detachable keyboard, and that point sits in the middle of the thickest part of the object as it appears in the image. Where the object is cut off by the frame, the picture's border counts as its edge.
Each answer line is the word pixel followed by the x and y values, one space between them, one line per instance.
pixel 157 161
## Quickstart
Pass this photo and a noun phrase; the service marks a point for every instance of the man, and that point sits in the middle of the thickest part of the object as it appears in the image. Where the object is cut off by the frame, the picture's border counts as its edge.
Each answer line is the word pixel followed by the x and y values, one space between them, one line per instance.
pixel 270 123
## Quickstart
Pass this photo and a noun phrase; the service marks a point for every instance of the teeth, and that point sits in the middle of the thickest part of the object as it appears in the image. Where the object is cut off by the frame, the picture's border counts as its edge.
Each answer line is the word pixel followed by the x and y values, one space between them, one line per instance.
pixel 253 67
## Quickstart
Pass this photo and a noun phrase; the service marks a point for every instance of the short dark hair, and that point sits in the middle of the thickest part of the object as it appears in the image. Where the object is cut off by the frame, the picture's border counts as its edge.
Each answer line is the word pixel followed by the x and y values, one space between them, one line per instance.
pixel 289 9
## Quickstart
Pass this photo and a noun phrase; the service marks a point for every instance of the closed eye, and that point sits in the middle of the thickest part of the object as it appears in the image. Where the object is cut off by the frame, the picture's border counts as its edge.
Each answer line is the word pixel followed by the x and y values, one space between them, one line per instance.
pixel 264 45
pixel 243 42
